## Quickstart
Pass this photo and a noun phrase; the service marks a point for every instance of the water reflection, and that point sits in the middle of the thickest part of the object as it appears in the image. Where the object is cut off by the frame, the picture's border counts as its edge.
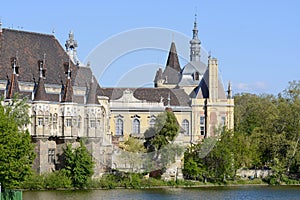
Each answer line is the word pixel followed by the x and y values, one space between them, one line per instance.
pixel 210 193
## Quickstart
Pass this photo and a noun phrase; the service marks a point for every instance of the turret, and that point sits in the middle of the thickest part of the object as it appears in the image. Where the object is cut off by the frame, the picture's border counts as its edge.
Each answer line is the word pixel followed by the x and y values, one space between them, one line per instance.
pixel 13 86
pixel 195 44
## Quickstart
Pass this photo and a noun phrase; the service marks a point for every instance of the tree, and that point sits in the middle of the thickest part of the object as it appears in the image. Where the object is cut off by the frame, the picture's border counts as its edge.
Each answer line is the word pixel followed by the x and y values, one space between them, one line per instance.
pixel 165 130
pixel 159 142
pixel 133 152
pixel 17 108
pixel 16 150
pixel 79 165
pixel 216 165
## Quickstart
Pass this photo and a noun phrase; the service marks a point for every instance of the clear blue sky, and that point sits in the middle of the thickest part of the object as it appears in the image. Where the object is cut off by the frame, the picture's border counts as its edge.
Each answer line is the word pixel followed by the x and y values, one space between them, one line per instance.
pixel 256 42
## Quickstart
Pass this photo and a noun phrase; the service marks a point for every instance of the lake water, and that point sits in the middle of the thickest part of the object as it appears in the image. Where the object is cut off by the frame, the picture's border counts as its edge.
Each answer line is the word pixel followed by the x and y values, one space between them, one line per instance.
pixel 211 193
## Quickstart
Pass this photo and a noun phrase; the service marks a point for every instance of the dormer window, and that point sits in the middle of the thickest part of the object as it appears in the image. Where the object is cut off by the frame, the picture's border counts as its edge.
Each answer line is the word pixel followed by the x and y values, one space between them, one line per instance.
pixel 196 76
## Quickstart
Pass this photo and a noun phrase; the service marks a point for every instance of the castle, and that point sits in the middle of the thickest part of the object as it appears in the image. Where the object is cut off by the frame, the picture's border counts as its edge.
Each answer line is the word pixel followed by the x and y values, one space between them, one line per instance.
pixel 67 103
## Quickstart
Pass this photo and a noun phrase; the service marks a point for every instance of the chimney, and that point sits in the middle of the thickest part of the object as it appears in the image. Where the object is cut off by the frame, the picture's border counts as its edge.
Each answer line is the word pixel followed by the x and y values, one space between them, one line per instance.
pixel 213 80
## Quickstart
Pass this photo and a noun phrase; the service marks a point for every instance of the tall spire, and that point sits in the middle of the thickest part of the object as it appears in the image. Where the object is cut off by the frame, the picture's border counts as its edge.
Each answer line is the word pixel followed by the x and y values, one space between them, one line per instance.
pixel 68 89
pixel 13 83
pixel 173 61
pixel 40 93
pixel 195 43
pixel 92 93
pixel 195 30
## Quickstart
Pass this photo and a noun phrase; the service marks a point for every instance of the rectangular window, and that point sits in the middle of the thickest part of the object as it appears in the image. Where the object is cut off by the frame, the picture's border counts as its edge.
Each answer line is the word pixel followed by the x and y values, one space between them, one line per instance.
pixel 202 119
pixel 46 121
pixel 68 122
pixel 51 156
pixel 93 123
pixel 202 130
pixel 40 121
pixel 202 125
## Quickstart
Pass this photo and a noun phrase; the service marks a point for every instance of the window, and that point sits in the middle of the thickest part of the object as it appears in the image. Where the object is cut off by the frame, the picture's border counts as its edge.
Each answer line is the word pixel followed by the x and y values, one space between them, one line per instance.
pixel 136 126
pixel 93 123
pixel 55 121
pixel 202 125
pixel 152 122
pixel 40 121
pixel 185 126
pixel 51 156
pixel 79 122
pixel 202 119
pixel 202 130
pixel 223 121
pixel 119 127
pixel 68 122
pixel 46 120
pixel 197 76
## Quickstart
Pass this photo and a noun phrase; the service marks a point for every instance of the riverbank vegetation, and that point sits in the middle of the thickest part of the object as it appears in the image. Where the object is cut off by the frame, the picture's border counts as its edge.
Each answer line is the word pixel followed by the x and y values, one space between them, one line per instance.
pixel 266 136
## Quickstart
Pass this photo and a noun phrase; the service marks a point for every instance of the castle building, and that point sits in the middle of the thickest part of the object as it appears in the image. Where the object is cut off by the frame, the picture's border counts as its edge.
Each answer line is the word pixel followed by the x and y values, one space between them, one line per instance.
pixel 67 103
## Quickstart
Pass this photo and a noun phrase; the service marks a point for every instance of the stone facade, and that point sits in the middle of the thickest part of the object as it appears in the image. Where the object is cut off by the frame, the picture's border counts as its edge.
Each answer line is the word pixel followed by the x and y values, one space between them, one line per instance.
pixel 67 103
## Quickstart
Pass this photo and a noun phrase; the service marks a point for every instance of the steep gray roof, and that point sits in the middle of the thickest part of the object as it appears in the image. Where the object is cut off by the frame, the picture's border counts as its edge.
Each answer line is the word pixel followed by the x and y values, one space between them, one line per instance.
pixel 177 96
pixel 202 90
pixel 171 74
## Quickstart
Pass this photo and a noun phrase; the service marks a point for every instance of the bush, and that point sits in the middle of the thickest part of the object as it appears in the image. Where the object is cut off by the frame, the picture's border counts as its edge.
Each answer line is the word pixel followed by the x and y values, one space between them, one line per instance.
pixel 57 179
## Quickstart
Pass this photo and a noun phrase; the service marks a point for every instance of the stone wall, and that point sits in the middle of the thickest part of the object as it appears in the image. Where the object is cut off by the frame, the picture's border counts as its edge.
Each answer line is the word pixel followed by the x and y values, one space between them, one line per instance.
pixel 253 173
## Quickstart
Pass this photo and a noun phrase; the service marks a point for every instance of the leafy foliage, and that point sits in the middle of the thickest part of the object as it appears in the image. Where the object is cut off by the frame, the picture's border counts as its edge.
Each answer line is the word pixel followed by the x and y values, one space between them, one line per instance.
pixel 266 135
pixel 16 149
pixel 79 165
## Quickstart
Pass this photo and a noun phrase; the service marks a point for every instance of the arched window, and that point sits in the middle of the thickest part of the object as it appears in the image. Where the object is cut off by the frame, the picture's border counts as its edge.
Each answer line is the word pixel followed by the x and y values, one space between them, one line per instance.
pixel 152 122
pixel 136 126
pixel 119 127
pixel 185 126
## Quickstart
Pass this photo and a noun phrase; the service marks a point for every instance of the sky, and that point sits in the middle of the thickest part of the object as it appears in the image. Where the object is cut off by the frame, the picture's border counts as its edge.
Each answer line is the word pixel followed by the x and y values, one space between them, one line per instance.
pixel 256 42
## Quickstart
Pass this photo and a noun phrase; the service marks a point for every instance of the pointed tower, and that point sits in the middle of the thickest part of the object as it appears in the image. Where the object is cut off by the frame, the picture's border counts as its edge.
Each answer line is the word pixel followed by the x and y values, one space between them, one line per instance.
pixel 171 75
pixel 195 44
pixel 92 94
pixel 40 92
pixel 13 86
pixel 173 61
pixel 68 89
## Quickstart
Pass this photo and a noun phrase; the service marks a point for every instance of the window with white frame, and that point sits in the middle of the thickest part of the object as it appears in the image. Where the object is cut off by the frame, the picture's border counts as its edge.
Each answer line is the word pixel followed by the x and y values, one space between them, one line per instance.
pixel 119 127
pixel 68 122
pixel 136 126
pixel 202 125
pixel 185 126
pixel 55 121
pixel 93 123
pixel 40 121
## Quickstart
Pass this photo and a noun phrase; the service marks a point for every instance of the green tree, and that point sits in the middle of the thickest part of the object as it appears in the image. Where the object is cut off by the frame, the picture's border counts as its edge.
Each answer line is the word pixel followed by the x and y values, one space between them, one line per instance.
pixel 159 142
pixel 18 109
pixel 79 165
pixel 16 150
pixel 133 152
pixel 165 130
